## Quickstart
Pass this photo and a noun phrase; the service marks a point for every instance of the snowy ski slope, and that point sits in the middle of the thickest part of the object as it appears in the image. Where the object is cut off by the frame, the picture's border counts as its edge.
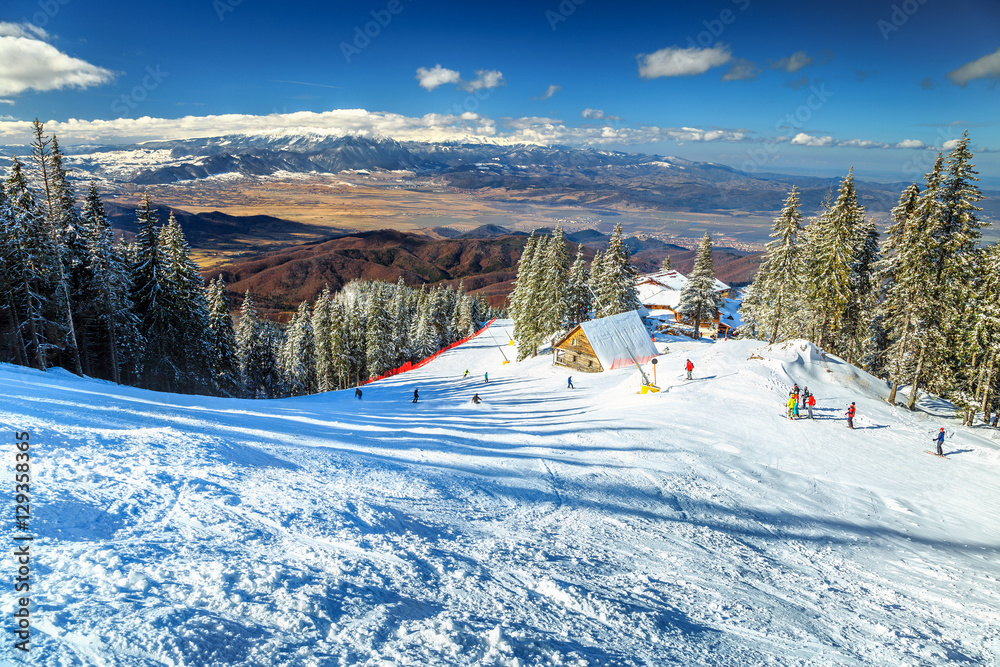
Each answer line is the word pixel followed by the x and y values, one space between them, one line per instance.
pixel 546 526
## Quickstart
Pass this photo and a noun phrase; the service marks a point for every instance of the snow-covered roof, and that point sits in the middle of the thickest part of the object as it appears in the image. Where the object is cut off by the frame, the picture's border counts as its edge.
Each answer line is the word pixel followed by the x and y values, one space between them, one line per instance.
pixel 655 288
pixel 614 338
pixel 655 294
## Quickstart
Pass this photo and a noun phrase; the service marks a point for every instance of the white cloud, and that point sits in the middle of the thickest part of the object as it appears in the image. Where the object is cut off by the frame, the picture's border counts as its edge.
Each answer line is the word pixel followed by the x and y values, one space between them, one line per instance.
pixel 675 61
pixel 794 62
pixel 30 63
pixel 22 30
pixel 466 126
pixel 803 139
pixel 436 76
pixel 485 78
pixel 863 143
pixel 950 144
pixel 911 143
pixel 549 92
pixel 741 70
pixel 6 101
pixel 987 67
pixel 597 114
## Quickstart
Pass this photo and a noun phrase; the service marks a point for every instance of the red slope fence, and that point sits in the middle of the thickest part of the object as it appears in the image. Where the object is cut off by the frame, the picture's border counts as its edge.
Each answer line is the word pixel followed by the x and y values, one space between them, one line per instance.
pixel 409 365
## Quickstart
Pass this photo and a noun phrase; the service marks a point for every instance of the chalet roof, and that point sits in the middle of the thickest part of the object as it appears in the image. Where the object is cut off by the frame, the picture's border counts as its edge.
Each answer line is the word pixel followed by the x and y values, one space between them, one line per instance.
pixel 656 288
pixel 613 338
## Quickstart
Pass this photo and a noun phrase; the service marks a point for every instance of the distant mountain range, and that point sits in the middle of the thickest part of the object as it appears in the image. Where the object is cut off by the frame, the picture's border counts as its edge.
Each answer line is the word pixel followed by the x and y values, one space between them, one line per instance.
pixel 528 173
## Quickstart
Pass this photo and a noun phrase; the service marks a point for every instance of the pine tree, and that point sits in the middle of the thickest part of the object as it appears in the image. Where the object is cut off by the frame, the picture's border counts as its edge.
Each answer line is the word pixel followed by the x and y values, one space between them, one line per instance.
pixel 666 264
pixel 553 286
pixel 31 258
pixel 775 288
pixel 322 324
pixel 151 298
pixel 298 354
pixel 699 300
pixel 579 299
pixel 857 321
pixel 379 353
pixel 222 342
pixel 59 215
pixel 254 351
pixel 835 238
pixel 187 312
pixel 116 338
pixel 617 291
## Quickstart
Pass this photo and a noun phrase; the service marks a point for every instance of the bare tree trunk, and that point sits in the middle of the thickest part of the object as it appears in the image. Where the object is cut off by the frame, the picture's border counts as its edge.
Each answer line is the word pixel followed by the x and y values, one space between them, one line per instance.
pixel 915 387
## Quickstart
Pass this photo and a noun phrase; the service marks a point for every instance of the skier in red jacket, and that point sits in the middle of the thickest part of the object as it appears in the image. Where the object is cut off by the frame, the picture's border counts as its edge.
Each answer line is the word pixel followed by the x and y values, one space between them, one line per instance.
pixel 850 416
pixel 810 402
pixel 689 367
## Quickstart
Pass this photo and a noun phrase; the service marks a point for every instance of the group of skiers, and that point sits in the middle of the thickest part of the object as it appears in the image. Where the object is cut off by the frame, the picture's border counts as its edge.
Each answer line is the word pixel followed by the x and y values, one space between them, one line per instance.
pixel 797 400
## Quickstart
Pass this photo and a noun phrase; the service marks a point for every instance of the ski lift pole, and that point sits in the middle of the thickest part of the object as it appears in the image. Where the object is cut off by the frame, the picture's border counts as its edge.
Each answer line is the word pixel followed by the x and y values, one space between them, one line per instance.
pixel 499 347
pixel 645 379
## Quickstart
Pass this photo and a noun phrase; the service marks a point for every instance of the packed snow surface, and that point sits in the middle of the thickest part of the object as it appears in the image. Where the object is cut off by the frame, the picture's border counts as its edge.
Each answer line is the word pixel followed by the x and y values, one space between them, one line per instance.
pixel 546 526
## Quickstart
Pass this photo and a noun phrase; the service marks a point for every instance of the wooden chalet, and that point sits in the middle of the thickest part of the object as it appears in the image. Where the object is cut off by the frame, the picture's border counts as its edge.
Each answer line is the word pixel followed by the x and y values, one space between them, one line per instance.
pixel 605 344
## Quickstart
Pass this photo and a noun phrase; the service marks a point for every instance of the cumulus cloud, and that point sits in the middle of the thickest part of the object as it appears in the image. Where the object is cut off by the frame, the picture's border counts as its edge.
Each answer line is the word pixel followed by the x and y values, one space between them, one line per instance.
pixel 741 70
pixel 950 144
pixel 675 61
pixel 863 143
pixel 803 139
pixel 31 63
pixel 431 78
pixel 485 78
pixel 597 114
pixel 794 62
pixel 549 92
pixel 987 67
pixel 911 143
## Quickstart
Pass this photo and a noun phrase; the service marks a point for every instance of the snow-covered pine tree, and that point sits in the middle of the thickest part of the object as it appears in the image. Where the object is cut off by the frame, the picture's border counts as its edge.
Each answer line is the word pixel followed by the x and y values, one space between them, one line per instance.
pixel 961 233
pixel 897 276
pixel 775 290
pixel 187 312
pixel 836 235
pixel 666 264
pixel 578 292
pixel 554 286
pixel 31 259
pixel 986 333
pixel 115 340
pixel 298 354
pixel 400 312
pixel 617 291
pixel 699 300
pixel 858 320
pixel 594 283
pixel 222 342
pixel 354 333
pixel 151 297
pixel 519 295
pixel 379 340
pixel 338 346
pixel 923 265
pixel 528 331
pixel 322 324
pixel 258 344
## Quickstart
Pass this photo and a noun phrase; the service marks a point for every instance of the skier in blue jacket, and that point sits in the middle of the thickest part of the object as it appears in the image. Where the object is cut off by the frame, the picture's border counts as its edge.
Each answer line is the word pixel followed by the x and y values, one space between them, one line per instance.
pixel 939 439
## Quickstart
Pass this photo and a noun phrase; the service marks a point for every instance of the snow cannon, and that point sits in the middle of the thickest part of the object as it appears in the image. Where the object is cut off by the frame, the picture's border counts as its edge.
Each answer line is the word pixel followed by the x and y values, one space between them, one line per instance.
pixel 649 389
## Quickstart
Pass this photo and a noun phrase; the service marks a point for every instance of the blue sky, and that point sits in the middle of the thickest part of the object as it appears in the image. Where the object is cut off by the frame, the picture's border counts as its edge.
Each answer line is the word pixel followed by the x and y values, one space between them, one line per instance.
pixel 763 86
